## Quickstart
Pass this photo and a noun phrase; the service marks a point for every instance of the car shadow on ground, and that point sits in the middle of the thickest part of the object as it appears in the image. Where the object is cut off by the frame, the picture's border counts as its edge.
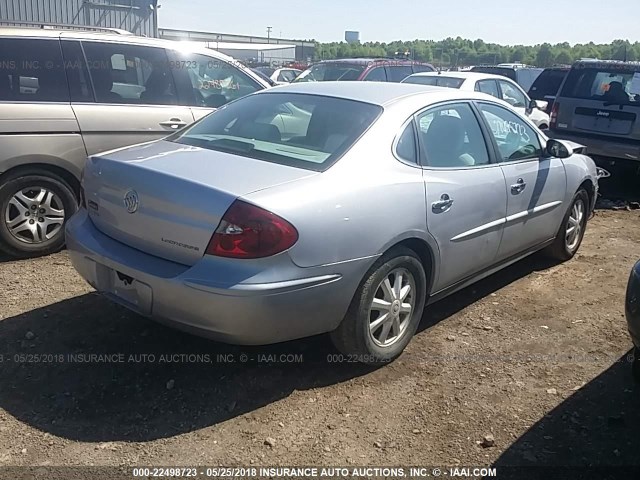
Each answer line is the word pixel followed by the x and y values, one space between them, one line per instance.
pixel 596 427
pixel 147 381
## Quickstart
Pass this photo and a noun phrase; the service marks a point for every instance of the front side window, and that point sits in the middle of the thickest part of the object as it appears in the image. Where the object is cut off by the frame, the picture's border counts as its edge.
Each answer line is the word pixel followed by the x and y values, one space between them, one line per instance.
pixel 516 140
pixel 490 87
pixel 451 137
pixel 32 70
pixel 130 74
pixel 210 82
pixel 254 127
pixel 512 95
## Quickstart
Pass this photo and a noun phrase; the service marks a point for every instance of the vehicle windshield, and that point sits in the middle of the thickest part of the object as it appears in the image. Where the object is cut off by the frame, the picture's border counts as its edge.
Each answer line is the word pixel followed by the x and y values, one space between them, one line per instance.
pixel 325 72
pixel 299 130
pixel 503 71
pixel 611 85
pixel 268 71
pixel 436 81
pixel 547 84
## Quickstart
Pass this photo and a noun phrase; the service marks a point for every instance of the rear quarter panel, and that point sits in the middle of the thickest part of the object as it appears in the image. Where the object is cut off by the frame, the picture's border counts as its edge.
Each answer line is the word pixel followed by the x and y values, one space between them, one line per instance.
pixel 580 168
pixel 360 207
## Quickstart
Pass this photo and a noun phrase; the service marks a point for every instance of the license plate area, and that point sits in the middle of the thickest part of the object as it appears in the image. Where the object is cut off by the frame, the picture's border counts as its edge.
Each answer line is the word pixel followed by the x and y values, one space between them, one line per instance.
pixel 124 289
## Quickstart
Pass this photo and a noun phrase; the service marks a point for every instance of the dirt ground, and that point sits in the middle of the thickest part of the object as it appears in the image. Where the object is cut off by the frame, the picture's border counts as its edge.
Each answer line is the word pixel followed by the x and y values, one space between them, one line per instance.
pixel 535 356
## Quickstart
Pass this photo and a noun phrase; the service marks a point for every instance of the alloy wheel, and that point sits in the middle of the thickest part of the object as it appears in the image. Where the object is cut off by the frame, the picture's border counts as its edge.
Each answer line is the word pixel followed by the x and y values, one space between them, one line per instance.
pixel 34 215
pixel 575 225
pixel 392 307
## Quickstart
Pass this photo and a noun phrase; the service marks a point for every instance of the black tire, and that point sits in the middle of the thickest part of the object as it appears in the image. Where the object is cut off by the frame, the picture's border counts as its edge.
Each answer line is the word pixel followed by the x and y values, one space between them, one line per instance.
pixel 560 249
pixel 635 365
pixel 25 179
pixel 352 337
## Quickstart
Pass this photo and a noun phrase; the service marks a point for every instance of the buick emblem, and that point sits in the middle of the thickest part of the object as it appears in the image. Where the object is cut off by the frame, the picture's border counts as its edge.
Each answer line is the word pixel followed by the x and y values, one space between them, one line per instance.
pixel 131 201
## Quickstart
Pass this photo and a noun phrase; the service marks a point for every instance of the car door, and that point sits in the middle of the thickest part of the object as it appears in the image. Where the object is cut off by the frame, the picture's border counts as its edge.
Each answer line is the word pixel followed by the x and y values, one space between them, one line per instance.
pixel 206 82
pixel 465 191
pixel 125 96
pixel 535 183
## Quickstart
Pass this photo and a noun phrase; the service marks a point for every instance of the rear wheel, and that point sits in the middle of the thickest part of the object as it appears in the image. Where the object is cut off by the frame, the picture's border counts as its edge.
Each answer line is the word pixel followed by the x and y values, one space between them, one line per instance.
pixel 34 206
pixel 386 309
pixel 571 233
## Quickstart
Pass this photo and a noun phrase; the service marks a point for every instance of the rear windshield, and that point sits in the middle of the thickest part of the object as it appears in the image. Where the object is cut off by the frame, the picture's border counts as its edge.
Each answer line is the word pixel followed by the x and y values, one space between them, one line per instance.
pixel 611 85
pixel 438 81
pixel 325 72
pixel 305 131
pixel 547 84
pixel 505 72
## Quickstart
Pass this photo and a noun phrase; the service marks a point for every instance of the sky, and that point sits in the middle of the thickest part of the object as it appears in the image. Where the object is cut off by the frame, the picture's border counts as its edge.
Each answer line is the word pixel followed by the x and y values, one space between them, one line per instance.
pixel 526 22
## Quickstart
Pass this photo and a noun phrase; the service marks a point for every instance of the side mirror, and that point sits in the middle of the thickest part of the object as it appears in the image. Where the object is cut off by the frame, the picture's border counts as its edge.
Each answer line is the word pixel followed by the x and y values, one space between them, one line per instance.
pixel 532 105
pixel 558 149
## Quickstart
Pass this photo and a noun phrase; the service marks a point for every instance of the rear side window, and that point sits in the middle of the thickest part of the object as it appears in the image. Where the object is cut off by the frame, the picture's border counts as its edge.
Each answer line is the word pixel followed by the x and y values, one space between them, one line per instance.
pixel 397 73
pixel 490 87
pixel 547 84
pixel 31 70
pixel 616 86
pixel 305 131
pixel 130 74
pixel 376 74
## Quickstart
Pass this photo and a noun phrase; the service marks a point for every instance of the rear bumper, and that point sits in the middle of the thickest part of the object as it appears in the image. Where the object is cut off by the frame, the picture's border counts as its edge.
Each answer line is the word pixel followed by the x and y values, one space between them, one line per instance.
pixel 632 305
pixel 209 299
pixel 597 146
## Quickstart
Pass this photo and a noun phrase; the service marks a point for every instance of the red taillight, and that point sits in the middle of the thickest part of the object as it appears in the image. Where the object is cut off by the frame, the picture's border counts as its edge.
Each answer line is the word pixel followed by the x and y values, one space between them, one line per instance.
pixel 247 231
pixel 553 117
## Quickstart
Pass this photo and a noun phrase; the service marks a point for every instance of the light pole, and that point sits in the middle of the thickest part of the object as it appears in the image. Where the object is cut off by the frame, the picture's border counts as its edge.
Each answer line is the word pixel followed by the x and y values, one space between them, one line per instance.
pixel 269 34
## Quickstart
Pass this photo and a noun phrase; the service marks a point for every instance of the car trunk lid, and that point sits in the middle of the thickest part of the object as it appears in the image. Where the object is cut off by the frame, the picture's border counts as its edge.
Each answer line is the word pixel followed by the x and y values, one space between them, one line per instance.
pixel 166 199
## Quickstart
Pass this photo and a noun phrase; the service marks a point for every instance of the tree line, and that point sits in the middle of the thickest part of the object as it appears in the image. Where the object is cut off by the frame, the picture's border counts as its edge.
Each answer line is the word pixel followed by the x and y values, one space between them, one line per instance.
pixel 452 52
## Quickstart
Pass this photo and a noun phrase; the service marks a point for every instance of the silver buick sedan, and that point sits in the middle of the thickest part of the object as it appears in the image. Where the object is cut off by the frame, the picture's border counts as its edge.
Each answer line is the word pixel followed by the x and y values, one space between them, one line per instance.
pixel 327 207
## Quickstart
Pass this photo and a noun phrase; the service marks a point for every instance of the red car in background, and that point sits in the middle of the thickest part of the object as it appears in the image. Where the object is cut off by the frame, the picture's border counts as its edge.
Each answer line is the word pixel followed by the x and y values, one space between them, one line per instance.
pixel 363 69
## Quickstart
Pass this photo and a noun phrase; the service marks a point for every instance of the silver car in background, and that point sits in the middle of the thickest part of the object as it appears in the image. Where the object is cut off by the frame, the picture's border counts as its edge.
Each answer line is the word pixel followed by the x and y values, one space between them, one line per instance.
pixel 327 207
pixel 68 94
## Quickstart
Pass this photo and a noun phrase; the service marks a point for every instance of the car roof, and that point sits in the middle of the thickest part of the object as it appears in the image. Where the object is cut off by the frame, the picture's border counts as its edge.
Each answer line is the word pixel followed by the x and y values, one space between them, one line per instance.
pixel 377 93
pixel 462 75
pixel 124 38
pixel 604 63
pixel 110 36
pixel 366 61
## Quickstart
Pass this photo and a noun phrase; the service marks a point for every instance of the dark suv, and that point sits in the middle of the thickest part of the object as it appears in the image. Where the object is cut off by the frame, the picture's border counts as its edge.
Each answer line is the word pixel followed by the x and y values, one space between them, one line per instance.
pixel 599 106
pixel 523 75
pixel 367 69
pixel 547 84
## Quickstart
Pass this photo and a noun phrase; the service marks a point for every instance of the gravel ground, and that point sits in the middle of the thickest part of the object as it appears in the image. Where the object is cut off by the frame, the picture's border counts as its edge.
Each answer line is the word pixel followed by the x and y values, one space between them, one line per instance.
pixel 534 357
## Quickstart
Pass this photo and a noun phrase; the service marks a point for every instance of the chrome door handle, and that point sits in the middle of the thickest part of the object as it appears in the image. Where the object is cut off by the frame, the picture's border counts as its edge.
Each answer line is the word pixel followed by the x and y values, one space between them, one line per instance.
pixel 174 123
pixel 443 204
pixel 518 187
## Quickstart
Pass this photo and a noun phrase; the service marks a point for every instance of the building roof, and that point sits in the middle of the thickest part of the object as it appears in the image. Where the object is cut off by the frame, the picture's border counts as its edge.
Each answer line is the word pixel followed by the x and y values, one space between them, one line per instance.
pixel 249 46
